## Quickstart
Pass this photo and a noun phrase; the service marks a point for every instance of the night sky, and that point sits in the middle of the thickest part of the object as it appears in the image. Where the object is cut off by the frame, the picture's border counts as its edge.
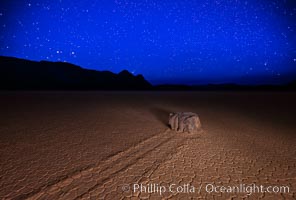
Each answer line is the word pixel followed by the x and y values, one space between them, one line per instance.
pixel 168 41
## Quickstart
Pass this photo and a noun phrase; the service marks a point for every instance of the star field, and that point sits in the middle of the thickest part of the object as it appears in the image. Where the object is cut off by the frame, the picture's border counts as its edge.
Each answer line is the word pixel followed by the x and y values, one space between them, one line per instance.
pixel 168 41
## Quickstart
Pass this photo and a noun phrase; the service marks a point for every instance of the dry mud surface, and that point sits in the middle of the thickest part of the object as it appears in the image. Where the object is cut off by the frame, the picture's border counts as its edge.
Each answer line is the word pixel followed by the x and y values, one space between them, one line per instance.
pixel 98 145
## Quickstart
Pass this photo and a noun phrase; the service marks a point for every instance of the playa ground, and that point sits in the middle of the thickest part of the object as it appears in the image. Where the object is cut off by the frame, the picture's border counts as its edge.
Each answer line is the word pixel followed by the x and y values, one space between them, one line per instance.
pixel 117 145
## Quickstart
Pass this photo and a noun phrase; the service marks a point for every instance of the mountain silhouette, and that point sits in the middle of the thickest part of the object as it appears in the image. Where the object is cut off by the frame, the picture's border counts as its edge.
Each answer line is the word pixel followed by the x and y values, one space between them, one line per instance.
pixel 21 74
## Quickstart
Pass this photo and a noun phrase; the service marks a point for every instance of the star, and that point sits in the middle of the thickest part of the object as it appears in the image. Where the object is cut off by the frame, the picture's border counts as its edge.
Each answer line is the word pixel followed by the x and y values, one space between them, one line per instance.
pixel 156 37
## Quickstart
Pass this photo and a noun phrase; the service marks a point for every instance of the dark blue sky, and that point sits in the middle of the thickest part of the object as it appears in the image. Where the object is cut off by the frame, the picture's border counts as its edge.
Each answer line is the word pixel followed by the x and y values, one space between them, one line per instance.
pixel 168 41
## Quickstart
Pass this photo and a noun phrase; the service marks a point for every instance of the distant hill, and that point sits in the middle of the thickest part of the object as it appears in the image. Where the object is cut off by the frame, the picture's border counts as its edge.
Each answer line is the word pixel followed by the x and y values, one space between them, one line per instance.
pixel 20 74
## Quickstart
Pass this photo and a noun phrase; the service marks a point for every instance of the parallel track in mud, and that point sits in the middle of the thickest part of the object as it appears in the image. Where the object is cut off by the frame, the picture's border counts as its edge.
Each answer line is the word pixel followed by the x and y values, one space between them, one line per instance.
pixel 126 167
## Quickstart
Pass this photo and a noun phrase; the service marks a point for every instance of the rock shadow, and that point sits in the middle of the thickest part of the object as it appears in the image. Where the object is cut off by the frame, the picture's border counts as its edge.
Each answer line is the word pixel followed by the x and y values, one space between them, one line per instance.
pixel 161 115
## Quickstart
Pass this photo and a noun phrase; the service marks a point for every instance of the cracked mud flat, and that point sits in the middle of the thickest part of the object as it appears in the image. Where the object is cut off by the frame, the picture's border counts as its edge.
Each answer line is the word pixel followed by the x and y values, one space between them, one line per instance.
pixel 88 145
